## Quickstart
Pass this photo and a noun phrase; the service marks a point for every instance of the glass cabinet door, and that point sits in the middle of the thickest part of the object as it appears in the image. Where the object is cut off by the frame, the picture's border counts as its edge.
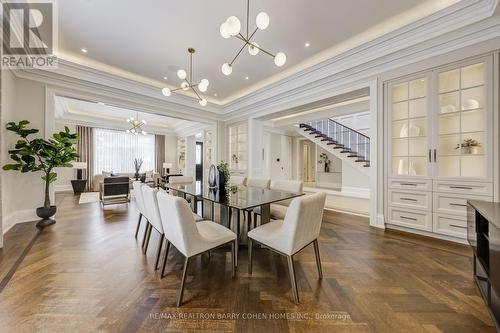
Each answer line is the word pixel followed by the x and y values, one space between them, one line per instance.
pixel 409 127
pixel 238 147
pixel 462 122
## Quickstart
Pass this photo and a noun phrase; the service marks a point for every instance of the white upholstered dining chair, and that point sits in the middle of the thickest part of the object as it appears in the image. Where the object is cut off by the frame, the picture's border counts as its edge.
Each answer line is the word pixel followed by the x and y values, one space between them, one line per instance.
pixel 189 237
pixel 300 228
pixel 238 180
pixel 139 198
pixel 258 182
pixel 151 205
pixel 140 205
pixel 278 209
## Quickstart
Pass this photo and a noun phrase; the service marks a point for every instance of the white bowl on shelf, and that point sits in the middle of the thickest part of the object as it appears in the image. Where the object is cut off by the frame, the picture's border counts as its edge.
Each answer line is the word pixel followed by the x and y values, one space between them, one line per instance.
pixel 470 104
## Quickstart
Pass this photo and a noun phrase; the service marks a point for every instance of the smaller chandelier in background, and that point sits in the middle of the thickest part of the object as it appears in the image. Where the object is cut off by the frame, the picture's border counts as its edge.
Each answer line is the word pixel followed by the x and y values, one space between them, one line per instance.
pixel 136 126
pixel 232 27
pixel 202 86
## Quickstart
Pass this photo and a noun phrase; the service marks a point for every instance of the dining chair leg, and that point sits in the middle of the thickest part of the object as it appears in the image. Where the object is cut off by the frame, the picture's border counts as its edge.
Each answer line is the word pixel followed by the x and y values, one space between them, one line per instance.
pixel 318 260
pixel 160 245
pixel 184 273
pixel 292 279
pixel 145 234
pixel 237 241
pixel 148 238
pixel 249 215
pixel 138 225
pixel 250 250
pixel 233 259
pixel 167 247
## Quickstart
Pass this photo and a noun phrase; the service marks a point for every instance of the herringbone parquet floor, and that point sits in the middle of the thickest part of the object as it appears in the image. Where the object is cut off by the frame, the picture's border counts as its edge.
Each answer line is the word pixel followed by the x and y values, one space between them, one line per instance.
pixel 87 273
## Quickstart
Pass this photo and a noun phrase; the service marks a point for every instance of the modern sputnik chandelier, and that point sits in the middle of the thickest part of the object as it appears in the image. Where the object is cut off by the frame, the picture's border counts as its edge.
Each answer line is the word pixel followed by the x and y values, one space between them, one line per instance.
pixel 232 28
pixel 187 84
pixel 136 125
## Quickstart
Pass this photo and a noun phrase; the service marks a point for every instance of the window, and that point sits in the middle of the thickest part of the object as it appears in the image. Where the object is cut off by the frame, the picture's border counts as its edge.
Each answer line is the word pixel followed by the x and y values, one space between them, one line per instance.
pixel 115 151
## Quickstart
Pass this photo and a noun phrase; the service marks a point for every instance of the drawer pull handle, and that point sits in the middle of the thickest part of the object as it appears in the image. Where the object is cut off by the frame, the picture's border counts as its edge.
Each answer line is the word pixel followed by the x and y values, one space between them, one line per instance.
pixel 408 218
pixel 408 199
pixel 459 205
pixel 461 187
pixel 408 184
pixel 458 226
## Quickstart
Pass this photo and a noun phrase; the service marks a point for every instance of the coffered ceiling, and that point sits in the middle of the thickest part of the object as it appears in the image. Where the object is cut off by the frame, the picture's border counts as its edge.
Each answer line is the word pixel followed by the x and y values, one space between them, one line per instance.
pixel 148 40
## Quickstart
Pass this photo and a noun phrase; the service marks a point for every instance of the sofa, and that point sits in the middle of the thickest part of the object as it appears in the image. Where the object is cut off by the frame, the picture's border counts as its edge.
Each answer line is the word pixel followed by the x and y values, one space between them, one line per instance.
pixel 98 179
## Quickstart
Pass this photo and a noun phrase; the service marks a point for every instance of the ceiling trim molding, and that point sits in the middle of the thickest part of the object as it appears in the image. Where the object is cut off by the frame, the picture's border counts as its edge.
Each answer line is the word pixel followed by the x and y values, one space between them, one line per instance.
pixel 86 90
pixel 463 24
pixel 86 79
pixel 447 20
pixel 304 90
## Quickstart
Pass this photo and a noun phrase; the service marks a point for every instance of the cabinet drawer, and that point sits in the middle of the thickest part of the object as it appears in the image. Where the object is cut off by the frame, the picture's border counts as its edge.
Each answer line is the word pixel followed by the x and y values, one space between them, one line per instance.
pixel 411 219
pixel 469 188
pixel 450 225
pixel 454 204
pixel 419 200
pixel 413 184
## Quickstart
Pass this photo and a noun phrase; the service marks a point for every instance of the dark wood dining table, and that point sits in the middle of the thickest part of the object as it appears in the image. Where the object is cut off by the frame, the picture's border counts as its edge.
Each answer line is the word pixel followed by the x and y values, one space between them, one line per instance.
pixel 231 203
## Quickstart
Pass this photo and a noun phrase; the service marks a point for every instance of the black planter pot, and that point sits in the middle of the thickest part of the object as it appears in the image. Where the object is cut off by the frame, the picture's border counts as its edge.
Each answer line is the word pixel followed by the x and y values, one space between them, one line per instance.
pixel 45 214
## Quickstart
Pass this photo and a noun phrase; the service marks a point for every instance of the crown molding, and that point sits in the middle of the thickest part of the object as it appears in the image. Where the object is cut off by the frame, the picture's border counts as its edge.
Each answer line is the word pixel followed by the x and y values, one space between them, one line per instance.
pixel 466 23
pixel 457 26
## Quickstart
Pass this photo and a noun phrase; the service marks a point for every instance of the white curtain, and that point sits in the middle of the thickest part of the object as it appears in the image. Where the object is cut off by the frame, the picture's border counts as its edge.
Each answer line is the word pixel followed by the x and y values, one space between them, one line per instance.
pixel 116 150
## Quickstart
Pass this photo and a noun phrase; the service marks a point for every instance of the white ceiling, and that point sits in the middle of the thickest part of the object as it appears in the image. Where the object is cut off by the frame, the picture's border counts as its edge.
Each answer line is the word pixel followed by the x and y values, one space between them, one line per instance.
pixel 150 38
pixel 108 116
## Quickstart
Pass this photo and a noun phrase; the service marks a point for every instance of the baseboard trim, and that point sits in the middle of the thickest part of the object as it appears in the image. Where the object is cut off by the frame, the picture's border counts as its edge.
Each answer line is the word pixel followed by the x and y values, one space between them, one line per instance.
pixel 426 233
pixel 346 212
pixel 63 188
pixel 352 192
pixel 19 216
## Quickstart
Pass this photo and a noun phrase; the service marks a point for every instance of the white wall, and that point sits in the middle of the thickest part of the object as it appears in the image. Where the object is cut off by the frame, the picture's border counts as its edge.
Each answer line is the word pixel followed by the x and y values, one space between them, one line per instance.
pixel 332 179
pixel 64 175
pixel 171 151
pixel 277 162
pixel 21 193
pixel 191 156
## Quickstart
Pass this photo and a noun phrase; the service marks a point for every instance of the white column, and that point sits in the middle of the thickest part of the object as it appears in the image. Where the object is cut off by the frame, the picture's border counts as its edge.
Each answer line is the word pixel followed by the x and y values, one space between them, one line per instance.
pixel 255 148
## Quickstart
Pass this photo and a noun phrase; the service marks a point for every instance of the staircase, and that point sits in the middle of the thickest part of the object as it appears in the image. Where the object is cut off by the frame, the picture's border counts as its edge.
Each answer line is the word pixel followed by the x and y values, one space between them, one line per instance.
pixel 341 141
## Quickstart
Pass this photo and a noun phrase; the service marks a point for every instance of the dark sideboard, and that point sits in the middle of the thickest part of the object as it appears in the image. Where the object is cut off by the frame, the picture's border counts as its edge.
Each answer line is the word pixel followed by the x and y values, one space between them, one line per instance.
pixel 483 234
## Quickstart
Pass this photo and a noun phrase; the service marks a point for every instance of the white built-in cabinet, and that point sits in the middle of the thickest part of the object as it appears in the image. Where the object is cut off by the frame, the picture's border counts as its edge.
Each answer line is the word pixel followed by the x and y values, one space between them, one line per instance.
pixel 431 171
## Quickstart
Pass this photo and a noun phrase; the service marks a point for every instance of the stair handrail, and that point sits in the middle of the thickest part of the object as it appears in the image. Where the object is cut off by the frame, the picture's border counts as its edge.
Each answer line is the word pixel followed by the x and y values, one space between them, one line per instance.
pixel 349 128
pixel 351 140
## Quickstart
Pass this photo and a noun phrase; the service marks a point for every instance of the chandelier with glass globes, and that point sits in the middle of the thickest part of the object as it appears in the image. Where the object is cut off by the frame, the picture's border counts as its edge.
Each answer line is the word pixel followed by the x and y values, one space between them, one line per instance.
pixel 232 28
pixel 136 125
pixel 188 83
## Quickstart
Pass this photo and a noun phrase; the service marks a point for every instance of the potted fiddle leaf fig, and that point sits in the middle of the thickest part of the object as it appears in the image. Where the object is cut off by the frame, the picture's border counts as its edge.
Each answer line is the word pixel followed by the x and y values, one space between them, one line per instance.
pixel 33 155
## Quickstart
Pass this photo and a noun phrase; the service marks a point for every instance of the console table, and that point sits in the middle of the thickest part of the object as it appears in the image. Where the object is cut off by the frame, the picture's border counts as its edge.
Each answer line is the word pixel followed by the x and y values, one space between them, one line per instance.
pixel 483 234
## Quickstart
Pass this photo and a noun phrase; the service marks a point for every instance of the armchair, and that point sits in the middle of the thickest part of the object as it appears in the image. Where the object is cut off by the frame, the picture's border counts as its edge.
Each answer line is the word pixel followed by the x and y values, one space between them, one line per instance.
pixel 114 190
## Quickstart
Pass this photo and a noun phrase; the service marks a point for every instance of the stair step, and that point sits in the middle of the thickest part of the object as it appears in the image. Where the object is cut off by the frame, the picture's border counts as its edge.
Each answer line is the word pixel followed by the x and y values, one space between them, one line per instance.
pixel 345 151
pixel 362 161
pixel 319 136
pixel 333 142
pixel 325 139
pixel 352 155
pixel 338 147
pixel 367 165
pixel 309 129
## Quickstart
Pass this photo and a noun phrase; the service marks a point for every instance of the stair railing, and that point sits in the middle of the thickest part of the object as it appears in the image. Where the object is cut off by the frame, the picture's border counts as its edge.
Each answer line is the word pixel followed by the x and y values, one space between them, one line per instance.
pixel 351 140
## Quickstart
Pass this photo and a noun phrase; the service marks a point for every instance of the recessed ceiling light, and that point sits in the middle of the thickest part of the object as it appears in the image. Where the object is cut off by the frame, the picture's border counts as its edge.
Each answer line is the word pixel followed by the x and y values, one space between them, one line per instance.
pixel 215 94
pixel 84 50
pixel 246 77
pixel 307 44
pixel 165 78
pixel 100 103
